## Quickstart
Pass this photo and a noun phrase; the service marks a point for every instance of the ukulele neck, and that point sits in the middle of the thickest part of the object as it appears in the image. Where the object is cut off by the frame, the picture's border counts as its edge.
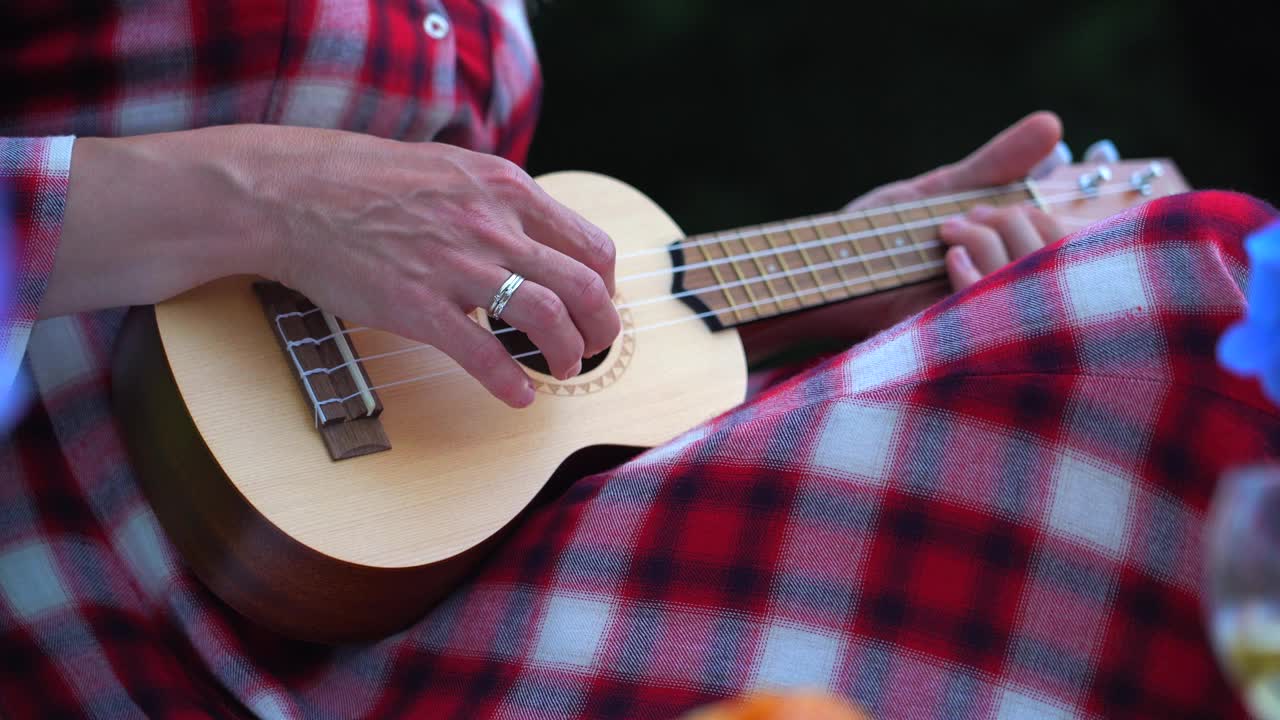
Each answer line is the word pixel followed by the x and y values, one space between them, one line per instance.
pixel 740 276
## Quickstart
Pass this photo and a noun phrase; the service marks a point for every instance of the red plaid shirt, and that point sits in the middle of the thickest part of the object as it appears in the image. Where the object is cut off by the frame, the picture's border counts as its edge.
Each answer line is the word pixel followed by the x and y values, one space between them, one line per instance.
pixel 990 511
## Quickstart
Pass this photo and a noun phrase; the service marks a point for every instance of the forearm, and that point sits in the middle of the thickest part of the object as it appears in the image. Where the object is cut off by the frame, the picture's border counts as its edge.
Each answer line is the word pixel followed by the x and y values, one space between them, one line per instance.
pixel 148 217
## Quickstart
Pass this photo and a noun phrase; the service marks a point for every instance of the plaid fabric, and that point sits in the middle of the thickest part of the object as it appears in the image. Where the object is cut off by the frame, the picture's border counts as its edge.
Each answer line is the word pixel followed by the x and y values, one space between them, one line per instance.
pixel 33 179
pixel 991 511
pixel 459 71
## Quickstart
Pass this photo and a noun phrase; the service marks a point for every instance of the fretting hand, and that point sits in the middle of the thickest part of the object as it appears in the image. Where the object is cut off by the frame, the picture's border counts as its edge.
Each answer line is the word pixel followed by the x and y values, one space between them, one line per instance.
pixel 982 241
pixel 985 239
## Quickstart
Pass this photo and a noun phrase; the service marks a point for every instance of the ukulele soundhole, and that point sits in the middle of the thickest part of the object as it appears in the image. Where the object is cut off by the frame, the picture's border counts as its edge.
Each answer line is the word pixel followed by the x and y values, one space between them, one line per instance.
pixel 526 353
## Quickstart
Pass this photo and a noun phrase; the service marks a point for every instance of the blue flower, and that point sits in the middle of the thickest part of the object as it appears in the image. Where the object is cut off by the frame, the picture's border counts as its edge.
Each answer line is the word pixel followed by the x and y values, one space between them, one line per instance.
pixel 1251 347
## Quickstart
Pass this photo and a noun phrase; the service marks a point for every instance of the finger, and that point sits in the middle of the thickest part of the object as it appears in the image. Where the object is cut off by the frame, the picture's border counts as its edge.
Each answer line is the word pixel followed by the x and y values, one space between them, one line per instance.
pixel 960 268
pixel 484 358
pixel 1020 236
pixel 539 313
pixel 552 224
pixel 982 243
pixel 1007 157
pixel 581 289
pixel 1047 225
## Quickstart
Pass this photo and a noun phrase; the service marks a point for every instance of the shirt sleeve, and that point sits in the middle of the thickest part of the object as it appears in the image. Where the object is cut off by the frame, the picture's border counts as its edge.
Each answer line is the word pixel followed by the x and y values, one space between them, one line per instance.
pixel 33 184
pixel 517 92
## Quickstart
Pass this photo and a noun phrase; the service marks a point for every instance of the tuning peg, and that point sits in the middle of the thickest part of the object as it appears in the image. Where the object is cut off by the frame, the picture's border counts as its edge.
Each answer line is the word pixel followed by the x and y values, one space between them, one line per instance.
pixel 1141 179
pixel 1102 151
pixel 1090 181
pixel 1061 155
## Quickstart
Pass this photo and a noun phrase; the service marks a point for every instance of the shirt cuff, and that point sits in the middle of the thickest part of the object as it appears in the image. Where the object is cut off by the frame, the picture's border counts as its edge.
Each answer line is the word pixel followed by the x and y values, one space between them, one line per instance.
pixel 33 197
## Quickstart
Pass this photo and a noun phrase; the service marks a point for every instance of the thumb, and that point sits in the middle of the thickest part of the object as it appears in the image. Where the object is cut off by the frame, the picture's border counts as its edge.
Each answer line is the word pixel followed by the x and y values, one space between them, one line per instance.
pixel 1006 158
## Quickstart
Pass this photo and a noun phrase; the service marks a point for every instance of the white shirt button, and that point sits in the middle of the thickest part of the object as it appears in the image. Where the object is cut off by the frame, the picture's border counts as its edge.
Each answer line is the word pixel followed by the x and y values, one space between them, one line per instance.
pixel 436 26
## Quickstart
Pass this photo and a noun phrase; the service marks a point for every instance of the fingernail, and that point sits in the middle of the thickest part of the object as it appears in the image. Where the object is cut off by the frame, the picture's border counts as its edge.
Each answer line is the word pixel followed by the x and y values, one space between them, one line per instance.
pixel 577 368
pixel 981 212
pixel 526 396
pixel 962 257
pixel 955 224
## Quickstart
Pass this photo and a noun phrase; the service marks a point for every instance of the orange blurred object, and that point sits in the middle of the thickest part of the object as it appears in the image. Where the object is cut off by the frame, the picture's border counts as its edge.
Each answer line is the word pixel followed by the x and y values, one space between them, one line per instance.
pixel 811 705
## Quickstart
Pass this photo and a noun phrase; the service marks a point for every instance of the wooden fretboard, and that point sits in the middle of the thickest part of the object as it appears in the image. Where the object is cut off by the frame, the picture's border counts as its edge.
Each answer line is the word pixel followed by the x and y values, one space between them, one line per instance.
pixel 740 276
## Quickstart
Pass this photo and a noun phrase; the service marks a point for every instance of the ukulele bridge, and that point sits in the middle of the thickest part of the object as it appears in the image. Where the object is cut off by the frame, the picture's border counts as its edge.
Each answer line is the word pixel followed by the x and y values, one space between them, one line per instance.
pixel 333 381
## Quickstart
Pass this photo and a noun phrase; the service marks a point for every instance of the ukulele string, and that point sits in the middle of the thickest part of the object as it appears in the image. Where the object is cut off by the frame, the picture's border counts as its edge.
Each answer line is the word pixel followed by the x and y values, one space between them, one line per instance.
pixel 766 277
pixel 826 242
pixel 925 245
pixel 826 218
pixel 859 258
pixel 809 244
pixel 838 217
pixel 635 331
pixel 752 304
pixel 819 242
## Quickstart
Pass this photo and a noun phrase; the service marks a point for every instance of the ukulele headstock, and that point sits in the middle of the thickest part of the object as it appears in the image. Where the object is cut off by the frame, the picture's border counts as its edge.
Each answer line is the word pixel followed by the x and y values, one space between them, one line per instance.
pixel 1082 193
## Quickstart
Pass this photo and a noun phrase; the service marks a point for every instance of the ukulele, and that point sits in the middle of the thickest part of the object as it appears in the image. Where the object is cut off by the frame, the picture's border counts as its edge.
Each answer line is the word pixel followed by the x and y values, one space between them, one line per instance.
pixel 331 482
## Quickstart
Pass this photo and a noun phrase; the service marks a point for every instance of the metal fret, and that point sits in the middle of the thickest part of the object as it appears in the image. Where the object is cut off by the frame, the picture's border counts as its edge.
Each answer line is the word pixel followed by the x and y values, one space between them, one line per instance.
pixel 892 256
pixel 839 267
pixel 715 270
pixel 884 245
pixel 862 256
pixel 760 268
pixel 782 263
pixel 746 286
pixel 937 252
pixel 914 239
pixel 804 255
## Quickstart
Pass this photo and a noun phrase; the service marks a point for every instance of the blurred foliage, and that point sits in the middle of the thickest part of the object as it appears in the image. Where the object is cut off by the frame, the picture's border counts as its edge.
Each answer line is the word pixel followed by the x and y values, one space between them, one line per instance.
pixel 729 112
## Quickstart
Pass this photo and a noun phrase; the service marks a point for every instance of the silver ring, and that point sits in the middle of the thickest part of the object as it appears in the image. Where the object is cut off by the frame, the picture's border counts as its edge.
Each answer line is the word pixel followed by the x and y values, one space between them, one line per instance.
pixel 504 294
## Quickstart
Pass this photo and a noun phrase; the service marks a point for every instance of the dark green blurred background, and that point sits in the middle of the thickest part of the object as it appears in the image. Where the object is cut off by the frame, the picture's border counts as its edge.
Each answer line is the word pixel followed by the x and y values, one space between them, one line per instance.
pixel 729 113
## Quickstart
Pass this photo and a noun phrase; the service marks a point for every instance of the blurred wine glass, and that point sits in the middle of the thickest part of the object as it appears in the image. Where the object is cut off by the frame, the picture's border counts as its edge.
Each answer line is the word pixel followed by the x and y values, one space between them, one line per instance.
pixel 1242 594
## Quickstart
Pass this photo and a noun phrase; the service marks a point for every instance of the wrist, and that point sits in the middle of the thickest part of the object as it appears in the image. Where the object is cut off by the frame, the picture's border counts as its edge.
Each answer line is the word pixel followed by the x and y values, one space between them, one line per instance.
pixel 233 172
pixel 149 217
pixel 202 196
